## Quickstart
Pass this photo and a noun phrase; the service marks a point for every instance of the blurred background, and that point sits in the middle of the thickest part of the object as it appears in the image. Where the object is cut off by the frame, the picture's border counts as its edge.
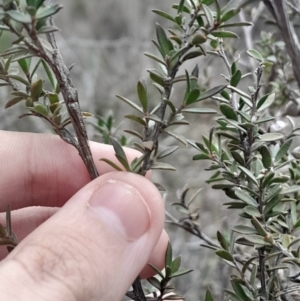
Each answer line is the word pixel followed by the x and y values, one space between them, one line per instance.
pixel 106 40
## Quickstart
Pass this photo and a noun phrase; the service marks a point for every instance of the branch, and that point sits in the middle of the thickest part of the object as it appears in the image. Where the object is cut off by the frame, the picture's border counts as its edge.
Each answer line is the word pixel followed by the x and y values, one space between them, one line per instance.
pixel 278 10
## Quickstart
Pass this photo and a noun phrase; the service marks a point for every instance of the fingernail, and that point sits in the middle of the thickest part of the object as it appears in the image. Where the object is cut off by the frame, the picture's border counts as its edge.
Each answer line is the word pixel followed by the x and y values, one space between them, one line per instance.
pixel 122 206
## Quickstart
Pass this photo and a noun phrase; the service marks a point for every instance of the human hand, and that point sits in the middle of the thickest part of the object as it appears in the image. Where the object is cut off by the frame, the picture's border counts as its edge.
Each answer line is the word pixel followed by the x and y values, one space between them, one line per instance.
pixel 96 244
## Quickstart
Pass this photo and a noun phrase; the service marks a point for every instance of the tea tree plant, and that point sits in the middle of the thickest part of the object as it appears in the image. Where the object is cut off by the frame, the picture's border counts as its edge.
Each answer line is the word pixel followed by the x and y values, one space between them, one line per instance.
pixel 249 157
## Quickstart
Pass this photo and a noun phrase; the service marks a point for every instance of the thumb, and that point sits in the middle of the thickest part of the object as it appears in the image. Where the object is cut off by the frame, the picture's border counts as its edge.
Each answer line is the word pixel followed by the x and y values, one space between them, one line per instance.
pixel 93 248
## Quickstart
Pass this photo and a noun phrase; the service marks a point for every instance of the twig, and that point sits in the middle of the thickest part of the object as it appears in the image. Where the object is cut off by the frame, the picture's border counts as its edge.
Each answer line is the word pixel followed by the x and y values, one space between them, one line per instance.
pixel 196 231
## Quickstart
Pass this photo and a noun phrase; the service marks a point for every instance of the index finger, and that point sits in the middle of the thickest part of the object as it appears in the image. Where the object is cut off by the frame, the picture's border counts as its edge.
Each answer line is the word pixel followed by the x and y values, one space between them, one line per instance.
pixel 43 170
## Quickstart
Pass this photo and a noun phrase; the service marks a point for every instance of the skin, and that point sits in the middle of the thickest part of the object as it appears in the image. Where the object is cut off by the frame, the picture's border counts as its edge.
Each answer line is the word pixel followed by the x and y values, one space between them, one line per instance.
pixel 80 240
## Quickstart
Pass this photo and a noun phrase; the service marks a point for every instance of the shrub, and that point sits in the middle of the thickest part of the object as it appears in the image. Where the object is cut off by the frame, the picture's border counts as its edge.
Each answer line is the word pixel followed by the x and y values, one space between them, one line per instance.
pixel 248 147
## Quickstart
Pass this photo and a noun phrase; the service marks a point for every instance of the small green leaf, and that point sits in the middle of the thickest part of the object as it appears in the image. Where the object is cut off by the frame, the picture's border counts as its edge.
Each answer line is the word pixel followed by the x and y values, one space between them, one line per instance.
pixel 235 79
pixel 163 41
pixel 180 6
pixel 255 54
pixel 13 101
pixel 229 14
pixel 252 211
pixel 272 192
pixel 154 57
pixel 209 15
pixel 168 256
pixel 228 111
pixel 244 229
pixel 257 240
pixel 211 92
pixel 232 296
pixel 162 166
pixel 134 133
pixel 201 157
pixel 241 93
pixel 270 137
pixel 112 164
pixel 119 153
pixel 142 93
pixel 47 11
pixel 192 55
pixel 266 156
pixel 48 72
pixel 224 34
pixel 239 290
pixel 249 174
pixel 163 14
pixel 192 96
pixel 36 89
pixel 259 227
pixel 265 102
pixel 154 282
pixel 19 16
pixel 222 240
pixel 180 138
pixel 199 111
pixel 25 65
pixel 48 29
pixel 156 270
pixel 154 118
pixel 156 77
pixel 238 157
pixel 245 197
pixel 176 264
pixel 291 189
pixel 225 255
pixel 167 151
pixel 208 295
pixel 236 24
pixel 131 103
pixel 40 109
pixel 180 273
pixel 283 149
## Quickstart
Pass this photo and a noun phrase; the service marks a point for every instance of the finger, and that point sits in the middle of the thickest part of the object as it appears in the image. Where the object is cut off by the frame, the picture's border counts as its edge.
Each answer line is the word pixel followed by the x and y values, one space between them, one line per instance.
pixel 93 248
pixel 38 169
pixel 26 220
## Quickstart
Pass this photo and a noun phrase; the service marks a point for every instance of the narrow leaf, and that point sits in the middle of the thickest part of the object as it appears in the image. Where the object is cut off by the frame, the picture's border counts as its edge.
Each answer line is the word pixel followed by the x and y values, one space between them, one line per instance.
pixel 224 34
pixel 178 137
pixel 131 103
pixel 225 255
pixel 283 149
pixel 208 295
pixel 162 166
pixel 168 256
pixel 249 174
pixel 235 79
pixel 228 111
pixel 192 96
pixel 264 103
pixel 167 151
pixel 245 197
pixel 112 164
pixel 291 189
pixel 270 137
pixel 119 153
pixel 142 93
pixel 255 54
pixel 199 111
pixel 211 92
pixel 163 14
pixel 163 41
